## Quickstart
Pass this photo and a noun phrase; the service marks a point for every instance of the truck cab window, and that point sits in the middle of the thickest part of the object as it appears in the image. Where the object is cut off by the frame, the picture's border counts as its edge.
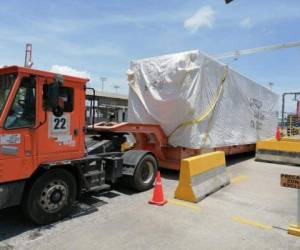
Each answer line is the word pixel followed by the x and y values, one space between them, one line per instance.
pixel 22 111
pixel 6 83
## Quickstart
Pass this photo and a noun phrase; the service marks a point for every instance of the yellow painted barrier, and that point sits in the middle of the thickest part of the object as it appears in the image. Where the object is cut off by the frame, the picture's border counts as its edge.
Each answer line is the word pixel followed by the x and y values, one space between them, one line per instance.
pixel 286 151
pixel 201 175
pixel 285 144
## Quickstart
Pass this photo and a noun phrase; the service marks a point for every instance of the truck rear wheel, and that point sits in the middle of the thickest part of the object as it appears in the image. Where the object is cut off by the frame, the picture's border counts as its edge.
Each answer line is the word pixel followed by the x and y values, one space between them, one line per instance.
pixel 145 173
pixel 50 197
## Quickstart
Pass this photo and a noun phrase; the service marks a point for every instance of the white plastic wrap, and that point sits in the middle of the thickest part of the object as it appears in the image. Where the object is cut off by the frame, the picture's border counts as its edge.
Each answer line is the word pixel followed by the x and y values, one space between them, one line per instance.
pixel 200 102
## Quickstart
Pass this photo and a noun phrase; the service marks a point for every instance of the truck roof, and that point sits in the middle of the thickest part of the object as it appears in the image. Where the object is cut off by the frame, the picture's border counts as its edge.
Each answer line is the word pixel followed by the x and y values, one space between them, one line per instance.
pixel 18 69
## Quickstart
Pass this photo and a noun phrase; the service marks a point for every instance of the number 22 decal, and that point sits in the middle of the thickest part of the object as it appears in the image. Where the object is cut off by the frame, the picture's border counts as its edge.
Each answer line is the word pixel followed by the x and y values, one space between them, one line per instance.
pixel 60 123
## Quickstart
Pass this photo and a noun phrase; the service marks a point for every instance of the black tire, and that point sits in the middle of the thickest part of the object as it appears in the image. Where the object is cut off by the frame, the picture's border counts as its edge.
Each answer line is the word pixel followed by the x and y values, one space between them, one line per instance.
pixel 144 174
pixel 50 197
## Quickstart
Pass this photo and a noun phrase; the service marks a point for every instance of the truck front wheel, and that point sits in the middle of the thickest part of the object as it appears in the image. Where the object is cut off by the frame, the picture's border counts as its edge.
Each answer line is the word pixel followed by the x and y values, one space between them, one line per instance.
pixel 50 197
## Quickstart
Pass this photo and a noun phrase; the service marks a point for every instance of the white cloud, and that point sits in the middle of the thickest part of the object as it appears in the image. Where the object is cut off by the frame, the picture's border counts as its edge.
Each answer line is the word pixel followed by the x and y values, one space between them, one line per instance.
pixel 204 17
pixel 94 79
pixel 66 70
pixel 247 23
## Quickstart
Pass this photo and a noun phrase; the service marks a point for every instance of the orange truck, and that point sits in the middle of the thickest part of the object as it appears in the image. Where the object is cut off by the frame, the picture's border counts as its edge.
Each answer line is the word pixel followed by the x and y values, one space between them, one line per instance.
pixel 46 158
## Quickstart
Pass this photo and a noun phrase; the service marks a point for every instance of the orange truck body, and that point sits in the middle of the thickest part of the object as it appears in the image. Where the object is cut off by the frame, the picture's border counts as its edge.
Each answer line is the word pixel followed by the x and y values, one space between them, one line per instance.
pixel 32 146
pixel 46 158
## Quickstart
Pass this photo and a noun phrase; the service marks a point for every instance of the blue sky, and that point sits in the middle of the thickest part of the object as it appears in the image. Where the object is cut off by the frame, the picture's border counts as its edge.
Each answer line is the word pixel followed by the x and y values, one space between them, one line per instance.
pixel 99 38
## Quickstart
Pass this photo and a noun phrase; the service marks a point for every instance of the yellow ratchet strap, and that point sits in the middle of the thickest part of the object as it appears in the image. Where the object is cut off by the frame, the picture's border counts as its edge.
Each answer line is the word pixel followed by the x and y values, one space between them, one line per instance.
pixel 202 117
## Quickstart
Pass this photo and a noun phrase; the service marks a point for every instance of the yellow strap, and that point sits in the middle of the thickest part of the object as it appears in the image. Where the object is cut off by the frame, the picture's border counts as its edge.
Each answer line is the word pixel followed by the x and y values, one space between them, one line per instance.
pixel 210 109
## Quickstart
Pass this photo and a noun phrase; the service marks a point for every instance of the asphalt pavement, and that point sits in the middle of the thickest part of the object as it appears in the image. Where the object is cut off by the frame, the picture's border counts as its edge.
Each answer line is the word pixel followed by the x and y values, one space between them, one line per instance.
pixel 253 212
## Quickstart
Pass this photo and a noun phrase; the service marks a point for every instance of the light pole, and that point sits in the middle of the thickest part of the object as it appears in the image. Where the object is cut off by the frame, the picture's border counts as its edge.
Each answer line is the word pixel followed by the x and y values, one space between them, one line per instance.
pixel 28 56
pixel 103 79
pixel 271 84
pixel 116 88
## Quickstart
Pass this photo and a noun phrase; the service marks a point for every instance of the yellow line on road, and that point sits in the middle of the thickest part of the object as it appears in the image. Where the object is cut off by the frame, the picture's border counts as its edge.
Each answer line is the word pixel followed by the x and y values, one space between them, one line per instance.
pixel 238 179
pixel 251 223
pixel 183 204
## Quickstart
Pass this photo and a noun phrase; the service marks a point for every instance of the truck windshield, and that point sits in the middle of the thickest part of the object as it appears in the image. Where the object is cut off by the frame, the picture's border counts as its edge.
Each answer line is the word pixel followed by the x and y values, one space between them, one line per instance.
pixel 6 83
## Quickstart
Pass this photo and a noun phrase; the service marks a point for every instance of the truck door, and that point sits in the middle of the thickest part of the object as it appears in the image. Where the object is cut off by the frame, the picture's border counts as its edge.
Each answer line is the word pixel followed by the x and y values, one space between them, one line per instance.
pixel 16 148
pixel 60 137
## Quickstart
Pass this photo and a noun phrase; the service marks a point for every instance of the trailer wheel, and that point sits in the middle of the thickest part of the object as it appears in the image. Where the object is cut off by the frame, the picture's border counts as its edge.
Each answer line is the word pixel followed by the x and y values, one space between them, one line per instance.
pixel 50 197
pixel 145 173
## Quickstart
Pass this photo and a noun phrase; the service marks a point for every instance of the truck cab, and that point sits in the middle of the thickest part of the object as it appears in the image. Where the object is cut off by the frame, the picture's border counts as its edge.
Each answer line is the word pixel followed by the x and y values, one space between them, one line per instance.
pixel 30 132
pixel 44 162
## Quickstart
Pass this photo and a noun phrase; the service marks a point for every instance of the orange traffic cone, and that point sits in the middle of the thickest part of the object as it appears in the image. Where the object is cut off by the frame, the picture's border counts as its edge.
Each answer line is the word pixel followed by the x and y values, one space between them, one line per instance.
pixel 158 195
pixel 278 134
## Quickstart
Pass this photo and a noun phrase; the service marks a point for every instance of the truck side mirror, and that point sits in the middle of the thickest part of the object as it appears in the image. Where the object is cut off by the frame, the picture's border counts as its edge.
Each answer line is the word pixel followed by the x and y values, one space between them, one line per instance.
pixel 53 95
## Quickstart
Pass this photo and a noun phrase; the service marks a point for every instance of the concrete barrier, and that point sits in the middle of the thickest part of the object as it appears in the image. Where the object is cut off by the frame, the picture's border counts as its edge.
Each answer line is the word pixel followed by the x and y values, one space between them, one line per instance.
pixel 286 151
pixel 201 175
